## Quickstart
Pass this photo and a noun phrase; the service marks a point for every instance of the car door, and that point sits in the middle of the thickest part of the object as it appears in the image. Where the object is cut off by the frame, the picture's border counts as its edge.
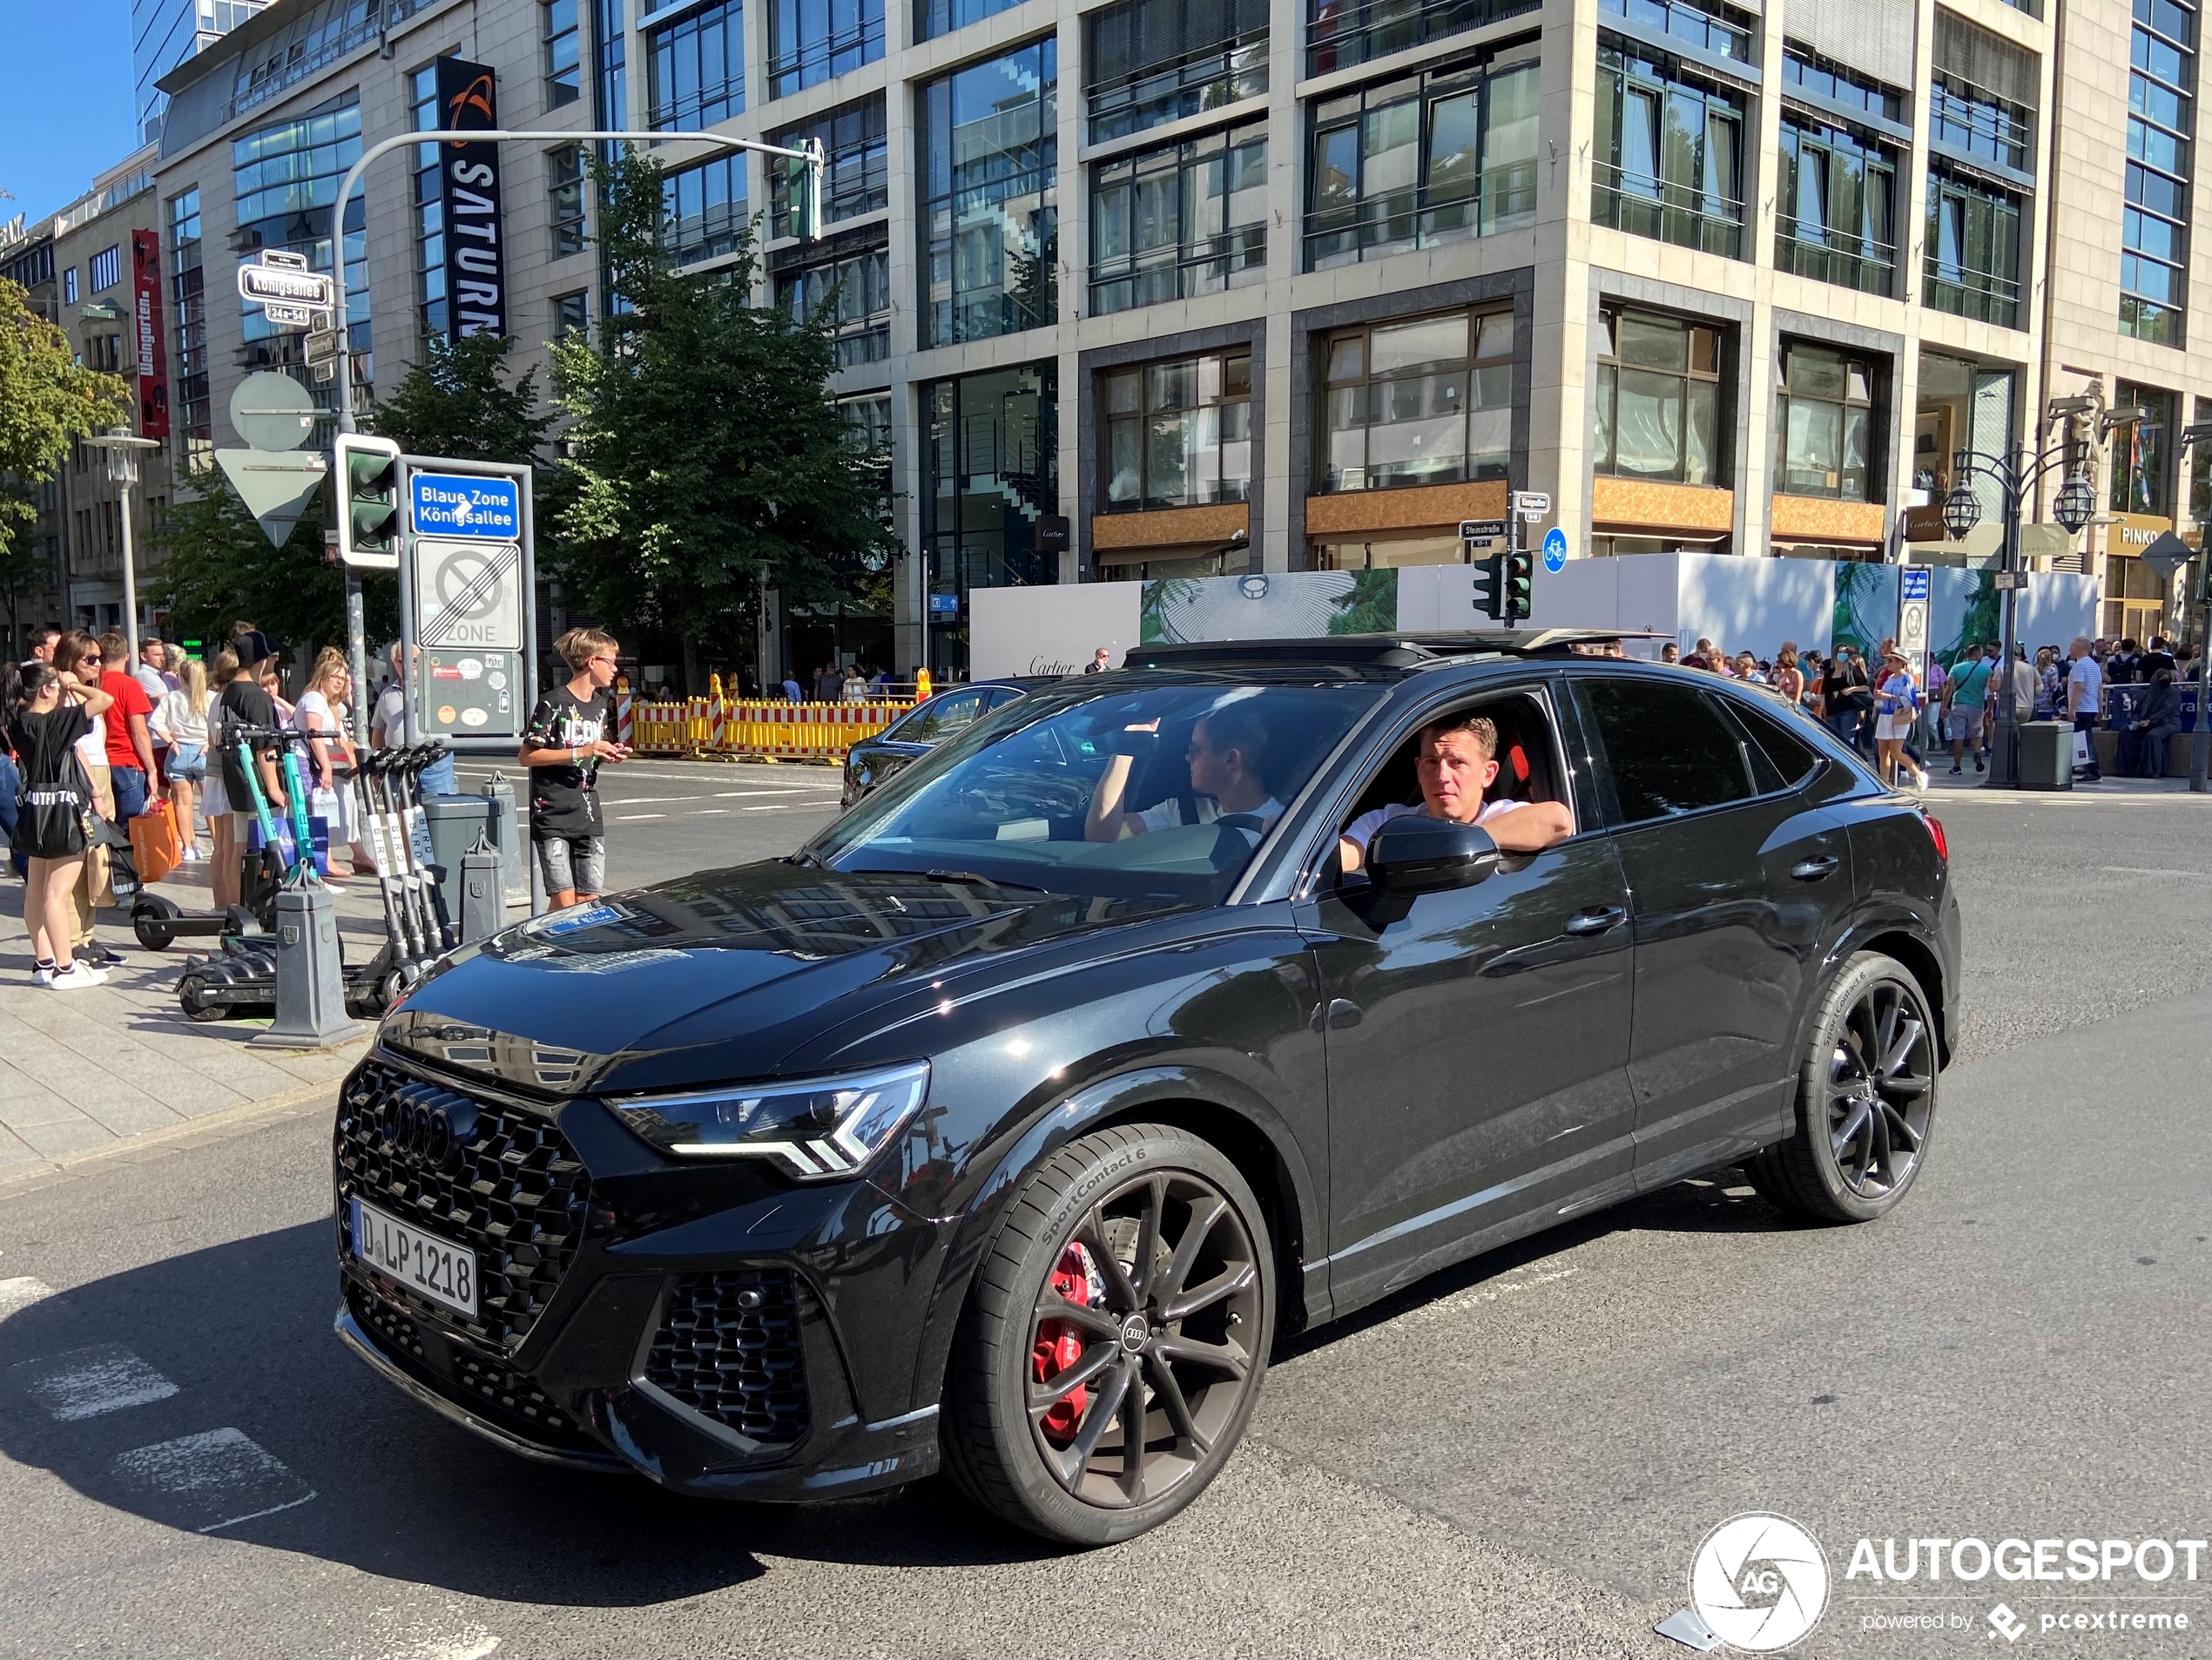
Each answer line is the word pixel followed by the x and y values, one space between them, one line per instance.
pixel 1734 879
pixel 1477 1042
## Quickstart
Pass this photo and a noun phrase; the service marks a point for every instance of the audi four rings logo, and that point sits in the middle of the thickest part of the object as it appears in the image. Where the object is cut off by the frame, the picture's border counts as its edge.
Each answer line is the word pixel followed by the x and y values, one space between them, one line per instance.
pixel 427 1126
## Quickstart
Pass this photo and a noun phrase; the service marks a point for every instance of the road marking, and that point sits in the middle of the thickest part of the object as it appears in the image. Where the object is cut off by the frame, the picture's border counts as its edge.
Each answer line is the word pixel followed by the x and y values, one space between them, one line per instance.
pixel 726 795
pixel 21 1292
pixel 405 1634
pixel 84 1383
pixel 1504 1288
pixel 212 1481
pixel 633 818
pixel 2138 870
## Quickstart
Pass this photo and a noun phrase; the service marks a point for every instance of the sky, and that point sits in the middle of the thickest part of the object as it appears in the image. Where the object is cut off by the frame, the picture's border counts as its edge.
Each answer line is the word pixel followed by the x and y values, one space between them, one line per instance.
pixel 64 100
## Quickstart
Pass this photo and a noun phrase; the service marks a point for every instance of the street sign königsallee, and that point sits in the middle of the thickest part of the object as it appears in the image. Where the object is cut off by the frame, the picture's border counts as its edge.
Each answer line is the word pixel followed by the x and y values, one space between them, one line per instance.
pixel 461 504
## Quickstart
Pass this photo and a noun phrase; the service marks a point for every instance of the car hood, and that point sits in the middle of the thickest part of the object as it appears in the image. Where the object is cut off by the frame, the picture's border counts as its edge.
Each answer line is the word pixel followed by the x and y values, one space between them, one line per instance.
pixel 720 973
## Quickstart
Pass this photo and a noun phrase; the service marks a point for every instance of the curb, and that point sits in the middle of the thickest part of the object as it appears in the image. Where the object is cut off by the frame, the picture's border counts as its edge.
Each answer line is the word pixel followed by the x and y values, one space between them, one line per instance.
pixel 220 1125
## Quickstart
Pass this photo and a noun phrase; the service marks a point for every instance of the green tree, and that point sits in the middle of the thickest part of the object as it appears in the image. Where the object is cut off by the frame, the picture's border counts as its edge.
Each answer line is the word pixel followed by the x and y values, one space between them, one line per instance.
pixel 47 402
pixel 218 567
pixel 457 403
pixel 703 445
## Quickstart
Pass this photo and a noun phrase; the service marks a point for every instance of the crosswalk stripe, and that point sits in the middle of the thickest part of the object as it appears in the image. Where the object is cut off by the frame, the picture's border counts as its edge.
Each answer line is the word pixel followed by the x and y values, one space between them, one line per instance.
pixel 212 1481
pixel 87 1382
pixel 21 1292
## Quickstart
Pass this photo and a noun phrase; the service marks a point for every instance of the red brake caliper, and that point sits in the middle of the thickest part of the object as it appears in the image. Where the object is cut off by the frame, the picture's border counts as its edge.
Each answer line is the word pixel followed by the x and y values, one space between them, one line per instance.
pixel 1058 1345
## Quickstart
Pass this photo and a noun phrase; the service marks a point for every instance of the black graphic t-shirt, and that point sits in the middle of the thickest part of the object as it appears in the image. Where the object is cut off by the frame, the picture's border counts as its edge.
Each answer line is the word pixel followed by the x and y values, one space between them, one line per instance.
pixel 564 800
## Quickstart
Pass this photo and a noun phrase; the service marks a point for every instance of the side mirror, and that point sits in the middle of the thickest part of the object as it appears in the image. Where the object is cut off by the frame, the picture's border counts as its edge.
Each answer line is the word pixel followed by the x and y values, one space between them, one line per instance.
pixel 1414 853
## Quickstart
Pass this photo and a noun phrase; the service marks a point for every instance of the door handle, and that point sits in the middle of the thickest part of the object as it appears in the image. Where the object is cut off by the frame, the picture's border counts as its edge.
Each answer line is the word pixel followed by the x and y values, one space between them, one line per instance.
pixel 1342 1013
pixel 1811 870
pixel 1597 920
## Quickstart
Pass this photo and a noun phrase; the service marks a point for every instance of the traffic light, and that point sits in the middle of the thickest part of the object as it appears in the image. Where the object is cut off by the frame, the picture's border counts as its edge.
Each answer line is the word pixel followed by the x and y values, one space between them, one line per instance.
pixel 368 472
pixel 803 187
pixel 1490 586
pixel 1518 585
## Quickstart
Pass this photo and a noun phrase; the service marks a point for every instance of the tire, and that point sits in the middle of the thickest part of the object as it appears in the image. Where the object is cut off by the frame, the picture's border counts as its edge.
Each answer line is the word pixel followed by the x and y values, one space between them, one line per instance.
pixel 1866 1099
pixel 1051 1462
pixel 149 921
pixel 192 997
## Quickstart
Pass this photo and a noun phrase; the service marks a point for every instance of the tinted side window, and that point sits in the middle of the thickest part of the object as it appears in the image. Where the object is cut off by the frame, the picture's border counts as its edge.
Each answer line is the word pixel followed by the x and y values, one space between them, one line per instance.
pixel 1780 757
pixel 1668 747
pixel 941 717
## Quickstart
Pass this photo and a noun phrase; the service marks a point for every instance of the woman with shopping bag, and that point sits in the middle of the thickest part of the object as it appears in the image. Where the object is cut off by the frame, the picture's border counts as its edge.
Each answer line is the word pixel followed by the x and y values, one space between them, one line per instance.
pixel 320 713
pixel 53 711
pixel 180 721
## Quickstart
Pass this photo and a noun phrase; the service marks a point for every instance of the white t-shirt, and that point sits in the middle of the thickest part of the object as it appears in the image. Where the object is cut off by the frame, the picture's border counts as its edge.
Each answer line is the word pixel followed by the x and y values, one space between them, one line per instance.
pixel 91 748
pixel 174 723
pixel 1361 830
pixel 2090 678
pixel 387 716
pixel 1168 815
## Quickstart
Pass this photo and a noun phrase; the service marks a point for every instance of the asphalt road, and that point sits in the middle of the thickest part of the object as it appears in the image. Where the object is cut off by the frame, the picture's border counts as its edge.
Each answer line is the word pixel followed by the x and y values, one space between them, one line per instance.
pixel 1519 1458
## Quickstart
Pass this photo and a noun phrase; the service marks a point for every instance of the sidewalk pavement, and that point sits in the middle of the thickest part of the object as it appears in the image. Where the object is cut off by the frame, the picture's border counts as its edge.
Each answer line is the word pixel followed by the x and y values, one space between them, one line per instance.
pixel 84 1074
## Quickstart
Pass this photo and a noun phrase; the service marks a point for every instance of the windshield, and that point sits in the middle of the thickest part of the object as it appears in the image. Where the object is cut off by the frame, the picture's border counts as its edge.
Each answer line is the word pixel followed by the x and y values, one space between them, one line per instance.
pixel 1154 791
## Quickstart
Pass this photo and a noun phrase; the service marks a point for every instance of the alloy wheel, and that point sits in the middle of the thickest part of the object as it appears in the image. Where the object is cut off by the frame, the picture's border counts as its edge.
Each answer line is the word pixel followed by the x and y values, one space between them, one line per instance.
pixel 1881 1090
pixel 1139 1356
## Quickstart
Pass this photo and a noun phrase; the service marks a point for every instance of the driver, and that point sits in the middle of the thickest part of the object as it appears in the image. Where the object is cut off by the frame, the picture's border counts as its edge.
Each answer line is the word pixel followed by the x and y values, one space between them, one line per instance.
pixel 1457 759
pixel 1227 755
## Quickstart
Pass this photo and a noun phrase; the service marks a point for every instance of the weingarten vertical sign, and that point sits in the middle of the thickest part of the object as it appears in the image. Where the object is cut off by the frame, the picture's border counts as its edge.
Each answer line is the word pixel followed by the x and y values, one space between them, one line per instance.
pixel 468 174
pixel 145 318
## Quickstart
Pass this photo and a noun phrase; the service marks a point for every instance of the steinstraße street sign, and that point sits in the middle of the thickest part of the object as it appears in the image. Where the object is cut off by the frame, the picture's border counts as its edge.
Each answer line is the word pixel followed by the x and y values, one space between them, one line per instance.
pixel 274 478
pixel 462 505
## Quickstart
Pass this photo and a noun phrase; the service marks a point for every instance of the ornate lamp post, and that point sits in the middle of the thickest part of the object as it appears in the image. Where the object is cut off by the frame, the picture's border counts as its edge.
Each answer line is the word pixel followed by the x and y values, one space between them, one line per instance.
pixel 123 447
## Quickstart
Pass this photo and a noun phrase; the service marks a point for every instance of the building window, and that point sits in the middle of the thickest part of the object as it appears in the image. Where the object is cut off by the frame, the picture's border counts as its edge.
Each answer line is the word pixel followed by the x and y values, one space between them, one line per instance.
pixel 572 313
pixel 989 471
pixel 1658 398
pixel 1973 242
pixel 1179 434
pixel 2154 240
pixel 1669 150
pixel 811 40
pixel 1981 93
pixel 1343 34
pixel 855 163
pixel 849 294
pixel 1428 401
pixel 611 51
pixel 68 286
pixel 868 429
pixel 188 297
pixel 1824 424
pixel 935 17
pixel 284 179
pixel 1155 61
pixel 991 244
pixel 565 197
pixel 1836 218
pixel 697 70
pixel 2140 455
pixel 703 209
pixel 429 205
pixel 563 72
pixel 105 268
pixel 1427 159
pixel 1833 84
pixel 1720 30
pixel 1186 218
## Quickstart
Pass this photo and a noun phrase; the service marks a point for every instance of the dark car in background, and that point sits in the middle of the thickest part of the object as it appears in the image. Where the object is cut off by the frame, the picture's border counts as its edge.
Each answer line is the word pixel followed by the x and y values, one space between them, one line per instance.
pixel 871 760
pixel 970 1137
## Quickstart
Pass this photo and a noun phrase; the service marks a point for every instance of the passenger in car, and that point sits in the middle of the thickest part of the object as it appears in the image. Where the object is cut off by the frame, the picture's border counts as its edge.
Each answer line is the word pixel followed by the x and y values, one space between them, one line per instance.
pixel 1228 759
pixel 1457 759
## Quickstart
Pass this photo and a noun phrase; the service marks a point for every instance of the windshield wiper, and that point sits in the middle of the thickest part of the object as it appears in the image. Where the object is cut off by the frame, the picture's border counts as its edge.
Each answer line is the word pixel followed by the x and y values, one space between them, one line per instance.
pixel 980 880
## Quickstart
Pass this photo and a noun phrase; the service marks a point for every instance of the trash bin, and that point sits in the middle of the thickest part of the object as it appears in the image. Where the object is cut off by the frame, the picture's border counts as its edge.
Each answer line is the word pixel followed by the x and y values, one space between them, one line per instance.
pixel 455 822
pixel 2046 755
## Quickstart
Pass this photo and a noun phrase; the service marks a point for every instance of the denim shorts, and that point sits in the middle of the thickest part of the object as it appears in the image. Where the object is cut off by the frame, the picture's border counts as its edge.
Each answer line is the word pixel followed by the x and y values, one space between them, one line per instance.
pixel 572 864
pixel 187 763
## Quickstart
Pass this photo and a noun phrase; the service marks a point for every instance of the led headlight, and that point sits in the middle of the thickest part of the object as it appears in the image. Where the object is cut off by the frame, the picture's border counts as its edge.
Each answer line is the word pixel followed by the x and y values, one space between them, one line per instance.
pixel 818 1128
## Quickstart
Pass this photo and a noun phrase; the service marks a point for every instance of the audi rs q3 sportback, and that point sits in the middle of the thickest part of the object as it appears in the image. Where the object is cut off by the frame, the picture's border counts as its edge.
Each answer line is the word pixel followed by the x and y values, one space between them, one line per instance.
pixel 1006 1126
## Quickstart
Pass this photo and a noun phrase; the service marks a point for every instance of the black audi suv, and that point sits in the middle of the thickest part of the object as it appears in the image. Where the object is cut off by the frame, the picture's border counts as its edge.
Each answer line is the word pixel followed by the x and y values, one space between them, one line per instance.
pixel 1007 1126
pixel 874 760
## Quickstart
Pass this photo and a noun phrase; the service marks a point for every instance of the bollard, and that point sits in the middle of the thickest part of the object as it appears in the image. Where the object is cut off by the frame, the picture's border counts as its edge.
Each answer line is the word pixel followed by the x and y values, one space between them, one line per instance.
pixel 483 903
pixel 310 973
pixel 506 834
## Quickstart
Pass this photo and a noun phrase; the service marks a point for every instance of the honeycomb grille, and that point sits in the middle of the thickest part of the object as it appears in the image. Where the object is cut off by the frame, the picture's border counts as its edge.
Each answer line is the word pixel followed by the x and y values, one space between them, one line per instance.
pixel 485 1387
pixel 729 1346
pixel 507 1186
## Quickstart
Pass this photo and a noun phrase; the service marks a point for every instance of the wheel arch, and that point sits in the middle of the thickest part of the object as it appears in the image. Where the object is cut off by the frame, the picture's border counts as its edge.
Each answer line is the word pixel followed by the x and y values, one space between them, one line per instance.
pixel 1244 1128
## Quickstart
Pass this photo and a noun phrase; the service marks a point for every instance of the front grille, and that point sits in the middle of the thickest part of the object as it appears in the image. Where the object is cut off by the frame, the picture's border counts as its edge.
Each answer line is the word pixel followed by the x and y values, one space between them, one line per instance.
pixel 729 1346
pixel 511 1188
pixel 484 1387
pixel 512 1393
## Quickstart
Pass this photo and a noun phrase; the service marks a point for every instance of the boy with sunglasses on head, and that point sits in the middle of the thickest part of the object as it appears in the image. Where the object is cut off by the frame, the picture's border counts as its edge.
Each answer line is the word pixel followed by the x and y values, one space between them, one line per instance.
pixel 563 746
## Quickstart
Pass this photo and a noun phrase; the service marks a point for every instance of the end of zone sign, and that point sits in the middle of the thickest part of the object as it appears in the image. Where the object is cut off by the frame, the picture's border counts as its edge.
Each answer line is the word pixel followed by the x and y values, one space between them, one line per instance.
pixel 455 504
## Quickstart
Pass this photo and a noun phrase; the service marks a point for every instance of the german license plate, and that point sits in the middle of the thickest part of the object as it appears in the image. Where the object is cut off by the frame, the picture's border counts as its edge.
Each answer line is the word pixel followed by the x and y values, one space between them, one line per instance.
pixel 424 1263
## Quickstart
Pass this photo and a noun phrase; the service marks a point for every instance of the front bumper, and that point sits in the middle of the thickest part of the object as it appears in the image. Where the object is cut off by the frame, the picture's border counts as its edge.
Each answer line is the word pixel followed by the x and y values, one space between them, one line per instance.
pixel 737 1339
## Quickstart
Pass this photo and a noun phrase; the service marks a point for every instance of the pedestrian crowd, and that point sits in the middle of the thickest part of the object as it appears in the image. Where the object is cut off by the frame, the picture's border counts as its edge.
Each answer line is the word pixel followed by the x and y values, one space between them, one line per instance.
pixel 1876 702
pixel 851 683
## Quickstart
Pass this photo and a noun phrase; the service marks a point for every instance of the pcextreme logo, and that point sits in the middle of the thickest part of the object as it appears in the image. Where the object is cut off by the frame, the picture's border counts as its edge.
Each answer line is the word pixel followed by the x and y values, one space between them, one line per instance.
pixel 1759 1582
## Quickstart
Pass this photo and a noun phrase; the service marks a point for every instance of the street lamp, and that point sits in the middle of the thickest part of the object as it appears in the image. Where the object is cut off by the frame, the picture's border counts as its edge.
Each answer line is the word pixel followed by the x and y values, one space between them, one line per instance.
pixel 2077 504
pixel 1961 512
pixel 123 447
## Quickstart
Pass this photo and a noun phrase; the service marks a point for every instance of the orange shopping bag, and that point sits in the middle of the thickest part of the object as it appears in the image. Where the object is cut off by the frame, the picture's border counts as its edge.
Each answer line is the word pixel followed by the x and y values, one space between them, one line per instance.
pixel 153 843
